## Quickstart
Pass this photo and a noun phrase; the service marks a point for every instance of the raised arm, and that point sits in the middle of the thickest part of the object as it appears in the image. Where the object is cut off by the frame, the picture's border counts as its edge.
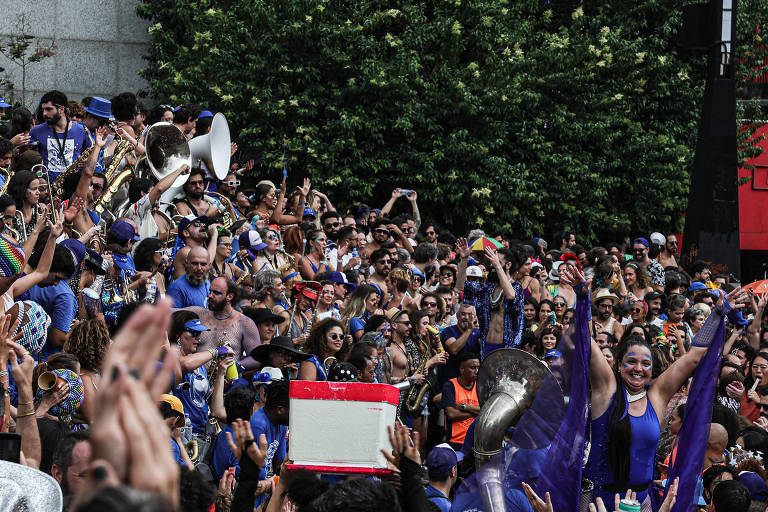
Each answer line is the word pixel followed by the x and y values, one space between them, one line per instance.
pixel 753 331
pixel 86 173
pixel 670 381
pixel 415 211
pixel 600 373
pixel 396 194
pixel 278 217
pixel 43 266
pixel 165 183
pixel 504 282
pixel 462 250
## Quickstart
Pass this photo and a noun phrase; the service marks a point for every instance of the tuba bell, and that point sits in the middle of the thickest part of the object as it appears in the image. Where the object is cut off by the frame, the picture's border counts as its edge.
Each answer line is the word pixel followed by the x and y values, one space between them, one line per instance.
pixel 507 383
pixel 6 174
pixel 214 146
pixel 167 150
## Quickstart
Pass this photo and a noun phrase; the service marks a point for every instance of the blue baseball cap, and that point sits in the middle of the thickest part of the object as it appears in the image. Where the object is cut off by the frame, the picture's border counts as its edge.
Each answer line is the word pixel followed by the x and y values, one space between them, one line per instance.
pixel 442 458
pixel 3 103
pixel 100 107
pixel 251 241
pixel 697 285
pixel 309 212
pixel 124 231
pixel 553 353
pixel 195 325
pixel 205 113
pixel 338 278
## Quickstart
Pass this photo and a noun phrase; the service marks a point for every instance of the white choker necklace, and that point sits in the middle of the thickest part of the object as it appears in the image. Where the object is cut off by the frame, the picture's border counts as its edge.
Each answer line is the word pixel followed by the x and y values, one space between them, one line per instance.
pixel 635 398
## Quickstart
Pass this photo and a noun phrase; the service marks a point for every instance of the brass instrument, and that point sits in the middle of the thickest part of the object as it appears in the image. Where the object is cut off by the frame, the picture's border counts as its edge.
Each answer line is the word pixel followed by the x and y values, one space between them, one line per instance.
pixel 507 384
pixel 57 186
pixel 167 150
pixel 42 168
pixel 192 450
pixel 6 174
pixel 112 187
pixel 416 393
pixel 327 363
pixel 225 209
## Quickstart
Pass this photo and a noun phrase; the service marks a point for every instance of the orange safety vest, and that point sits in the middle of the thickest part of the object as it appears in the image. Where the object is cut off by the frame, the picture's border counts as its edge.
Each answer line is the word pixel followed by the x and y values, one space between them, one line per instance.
pixel 458 429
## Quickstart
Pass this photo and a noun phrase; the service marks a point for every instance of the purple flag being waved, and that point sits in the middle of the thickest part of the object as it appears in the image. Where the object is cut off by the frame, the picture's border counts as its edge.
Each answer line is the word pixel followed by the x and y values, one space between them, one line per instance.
pixel 561 470
pixel 694 433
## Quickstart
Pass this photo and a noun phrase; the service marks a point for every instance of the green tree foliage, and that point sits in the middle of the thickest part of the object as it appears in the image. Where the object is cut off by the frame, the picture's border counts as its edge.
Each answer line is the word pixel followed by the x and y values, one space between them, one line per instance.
pixel 520 116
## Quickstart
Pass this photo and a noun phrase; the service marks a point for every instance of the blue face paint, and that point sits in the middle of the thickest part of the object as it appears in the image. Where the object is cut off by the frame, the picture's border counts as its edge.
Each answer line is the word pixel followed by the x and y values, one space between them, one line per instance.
pixel 646 364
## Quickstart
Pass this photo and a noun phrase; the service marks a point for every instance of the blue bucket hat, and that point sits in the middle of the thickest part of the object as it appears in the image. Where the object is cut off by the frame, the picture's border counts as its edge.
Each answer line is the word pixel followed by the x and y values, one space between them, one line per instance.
pixel 99 107
pixel 3 103
pixel 195 325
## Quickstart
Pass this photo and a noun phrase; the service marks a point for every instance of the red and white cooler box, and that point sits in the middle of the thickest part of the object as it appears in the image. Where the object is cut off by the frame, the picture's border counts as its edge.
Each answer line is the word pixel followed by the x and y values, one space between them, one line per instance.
pixel 340 427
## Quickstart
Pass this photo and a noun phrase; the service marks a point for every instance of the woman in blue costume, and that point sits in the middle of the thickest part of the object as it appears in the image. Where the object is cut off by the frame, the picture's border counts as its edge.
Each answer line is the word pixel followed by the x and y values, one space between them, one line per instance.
pixel 327 339
pixel 627 407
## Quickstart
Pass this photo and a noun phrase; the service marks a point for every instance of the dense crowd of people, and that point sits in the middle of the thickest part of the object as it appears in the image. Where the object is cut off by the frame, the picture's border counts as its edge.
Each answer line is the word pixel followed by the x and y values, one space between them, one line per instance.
pixel 151 332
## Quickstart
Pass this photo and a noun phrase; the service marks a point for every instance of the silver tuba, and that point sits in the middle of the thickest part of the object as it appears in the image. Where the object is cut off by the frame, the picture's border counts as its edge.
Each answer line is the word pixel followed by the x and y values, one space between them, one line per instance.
pixel 506 386
pixel 167 150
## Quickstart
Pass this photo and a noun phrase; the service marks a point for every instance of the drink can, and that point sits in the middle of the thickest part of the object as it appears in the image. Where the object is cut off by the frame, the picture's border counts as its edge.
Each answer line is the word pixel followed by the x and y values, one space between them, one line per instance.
pixel 232 372
pixel 629 505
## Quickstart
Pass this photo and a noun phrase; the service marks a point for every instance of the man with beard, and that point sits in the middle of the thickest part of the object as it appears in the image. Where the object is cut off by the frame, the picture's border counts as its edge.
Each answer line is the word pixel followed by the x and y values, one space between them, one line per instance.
pixel 459 339
pixel 71 459
pixel 667 257
pixel 227 325
pixel 382 264
pixel 194 201
pixel 382 230
pixel 60 140
pixel 192 288
pixel 401 349
pixel 269 292
pixel 194 233
pixel 331 224
pixel 605 301
pixel 498 301
pixel 655 301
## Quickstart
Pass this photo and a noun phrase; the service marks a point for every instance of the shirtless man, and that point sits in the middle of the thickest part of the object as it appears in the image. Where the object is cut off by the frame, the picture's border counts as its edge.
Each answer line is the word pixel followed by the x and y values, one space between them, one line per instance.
pixel 401 356
pixel 666 257
pixel 605 301
pixel 382 263
pixel 227 324
pixel 499 300
pixel 381 231
pixel 193 235
pixel 194 201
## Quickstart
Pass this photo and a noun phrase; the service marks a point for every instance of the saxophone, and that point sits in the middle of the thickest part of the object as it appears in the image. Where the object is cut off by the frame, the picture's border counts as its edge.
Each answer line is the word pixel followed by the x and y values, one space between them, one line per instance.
pixel 111 176
pixel 57 185
pixel 225 209
pixel 416 393
pixel 214 364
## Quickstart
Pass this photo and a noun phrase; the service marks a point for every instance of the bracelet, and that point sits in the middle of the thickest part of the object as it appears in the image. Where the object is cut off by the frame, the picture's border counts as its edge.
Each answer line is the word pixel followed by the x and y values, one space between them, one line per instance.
pixel 3 373
pixel 247 444
pixel 213 352
pixel 25 403
pixel 24 415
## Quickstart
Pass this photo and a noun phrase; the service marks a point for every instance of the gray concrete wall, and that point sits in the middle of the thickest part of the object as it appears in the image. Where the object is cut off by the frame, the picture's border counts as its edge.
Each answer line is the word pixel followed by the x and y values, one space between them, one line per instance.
pixel 100 47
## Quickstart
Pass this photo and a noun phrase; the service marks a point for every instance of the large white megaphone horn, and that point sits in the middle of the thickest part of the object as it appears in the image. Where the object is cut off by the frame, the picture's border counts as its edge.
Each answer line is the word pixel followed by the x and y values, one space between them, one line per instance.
pixel 214 146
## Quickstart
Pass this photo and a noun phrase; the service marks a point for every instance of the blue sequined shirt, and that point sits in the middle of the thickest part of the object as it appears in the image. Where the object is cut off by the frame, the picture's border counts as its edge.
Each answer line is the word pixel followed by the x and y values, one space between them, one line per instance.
pixel 479 294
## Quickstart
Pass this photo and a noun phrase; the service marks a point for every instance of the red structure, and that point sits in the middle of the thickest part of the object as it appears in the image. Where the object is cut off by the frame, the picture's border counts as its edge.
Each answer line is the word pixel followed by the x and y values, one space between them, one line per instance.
pixel 753 198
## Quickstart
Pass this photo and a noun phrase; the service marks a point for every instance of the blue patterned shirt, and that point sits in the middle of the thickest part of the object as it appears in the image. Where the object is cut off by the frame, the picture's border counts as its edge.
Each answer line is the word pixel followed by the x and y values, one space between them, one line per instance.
pixel 479 294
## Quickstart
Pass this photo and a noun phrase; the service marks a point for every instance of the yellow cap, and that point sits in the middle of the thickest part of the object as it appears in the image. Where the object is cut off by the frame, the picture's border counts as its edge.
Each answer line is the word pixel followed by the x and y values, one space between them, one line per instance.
pixel 176 405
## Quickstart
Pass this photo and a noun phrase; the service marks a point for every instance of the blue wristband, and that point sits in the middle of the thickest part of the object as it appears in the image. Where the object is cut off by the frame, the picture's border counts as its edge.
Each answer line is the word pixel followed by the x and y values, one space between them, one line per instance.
pixel 579 286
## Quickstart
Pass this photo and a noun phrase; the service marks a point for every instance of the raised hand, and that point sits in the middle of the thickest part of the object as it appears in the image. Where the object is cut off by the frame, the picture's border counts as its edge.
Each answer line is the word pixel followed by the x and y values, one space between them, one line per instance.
pixel 572 276
pixel 462 248
pixel 73 208
pixel 243 443
pixel 304 189
pixel 397 193
pixel 669 501
pixel 493 257
pixel 537 504
pixel 402 446
pixel 737 298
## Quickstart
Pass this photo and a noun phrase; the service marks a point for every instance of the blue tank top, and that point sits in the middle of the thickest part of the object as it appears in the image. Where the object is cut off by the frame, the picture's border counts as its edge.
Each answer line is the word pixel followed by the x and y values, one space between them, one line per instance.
pixel 646 430
pixel 320 370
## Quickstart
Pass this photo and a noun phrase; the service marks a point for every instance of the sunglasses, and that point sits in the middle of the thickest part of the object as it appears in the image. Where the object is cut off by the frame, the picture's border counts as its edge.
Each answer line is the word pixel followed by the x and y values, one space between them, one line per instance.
pixel 406 322
pixel 559 304
pixel 446 274
pixel 232 183
pixel 335 336
pixel 429 304
pixel 332 225
pixel 407 230
pixel 272 237
pixel 429 233
pixel 382 231
pixel 385 262
pixel 194 334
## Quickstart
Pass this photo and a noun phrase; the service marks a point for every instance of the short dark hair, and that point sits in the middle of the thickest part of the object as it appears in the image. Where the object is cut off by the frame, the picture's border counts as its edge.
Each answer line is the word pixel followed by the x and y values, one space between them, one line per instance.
pixel 277 395
pixel 731 496
pixel 124 106
pixel 329 215
pixel 197 494
pixel 62 454
pixel 5 146
pixel 238 402
pixel 467 356
pixel 425 252
pixel 378 254
pixel 305 487
pixel 360 495
pixel 184 112
pixel 63 262
pixel 698 266
pixel 55 97
pixel 137 187
pixel 438 476
pixel 676 302
pixel 347 232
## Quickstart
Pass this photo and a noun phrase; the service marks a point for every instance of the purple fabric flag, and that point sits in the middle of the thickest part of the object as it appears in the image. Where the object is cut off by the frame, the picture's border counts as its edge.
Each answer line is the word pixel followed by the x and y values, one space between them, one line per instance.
pixel 561 471
pixel 694 433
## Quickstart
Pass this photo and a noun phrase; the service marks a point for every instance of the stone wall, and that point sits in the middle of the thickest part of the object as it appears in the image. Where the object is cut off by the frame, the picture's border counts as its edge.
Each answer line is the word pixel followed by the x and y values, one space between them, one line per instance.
pixel 100 44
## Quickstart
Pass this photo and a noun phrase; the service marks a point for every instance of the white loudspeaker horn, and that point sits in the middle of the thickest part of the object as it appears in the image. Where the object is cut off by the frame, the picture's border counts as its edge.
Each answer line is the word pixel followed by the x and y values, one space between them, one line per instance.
pixel 214 146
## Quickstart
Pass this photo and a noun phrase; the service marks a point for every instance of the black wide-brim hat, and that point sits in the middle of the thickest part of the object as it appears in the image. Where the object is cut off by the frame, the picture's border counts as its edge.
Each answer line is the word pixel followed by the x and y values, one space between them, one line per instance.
pixel 261 353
